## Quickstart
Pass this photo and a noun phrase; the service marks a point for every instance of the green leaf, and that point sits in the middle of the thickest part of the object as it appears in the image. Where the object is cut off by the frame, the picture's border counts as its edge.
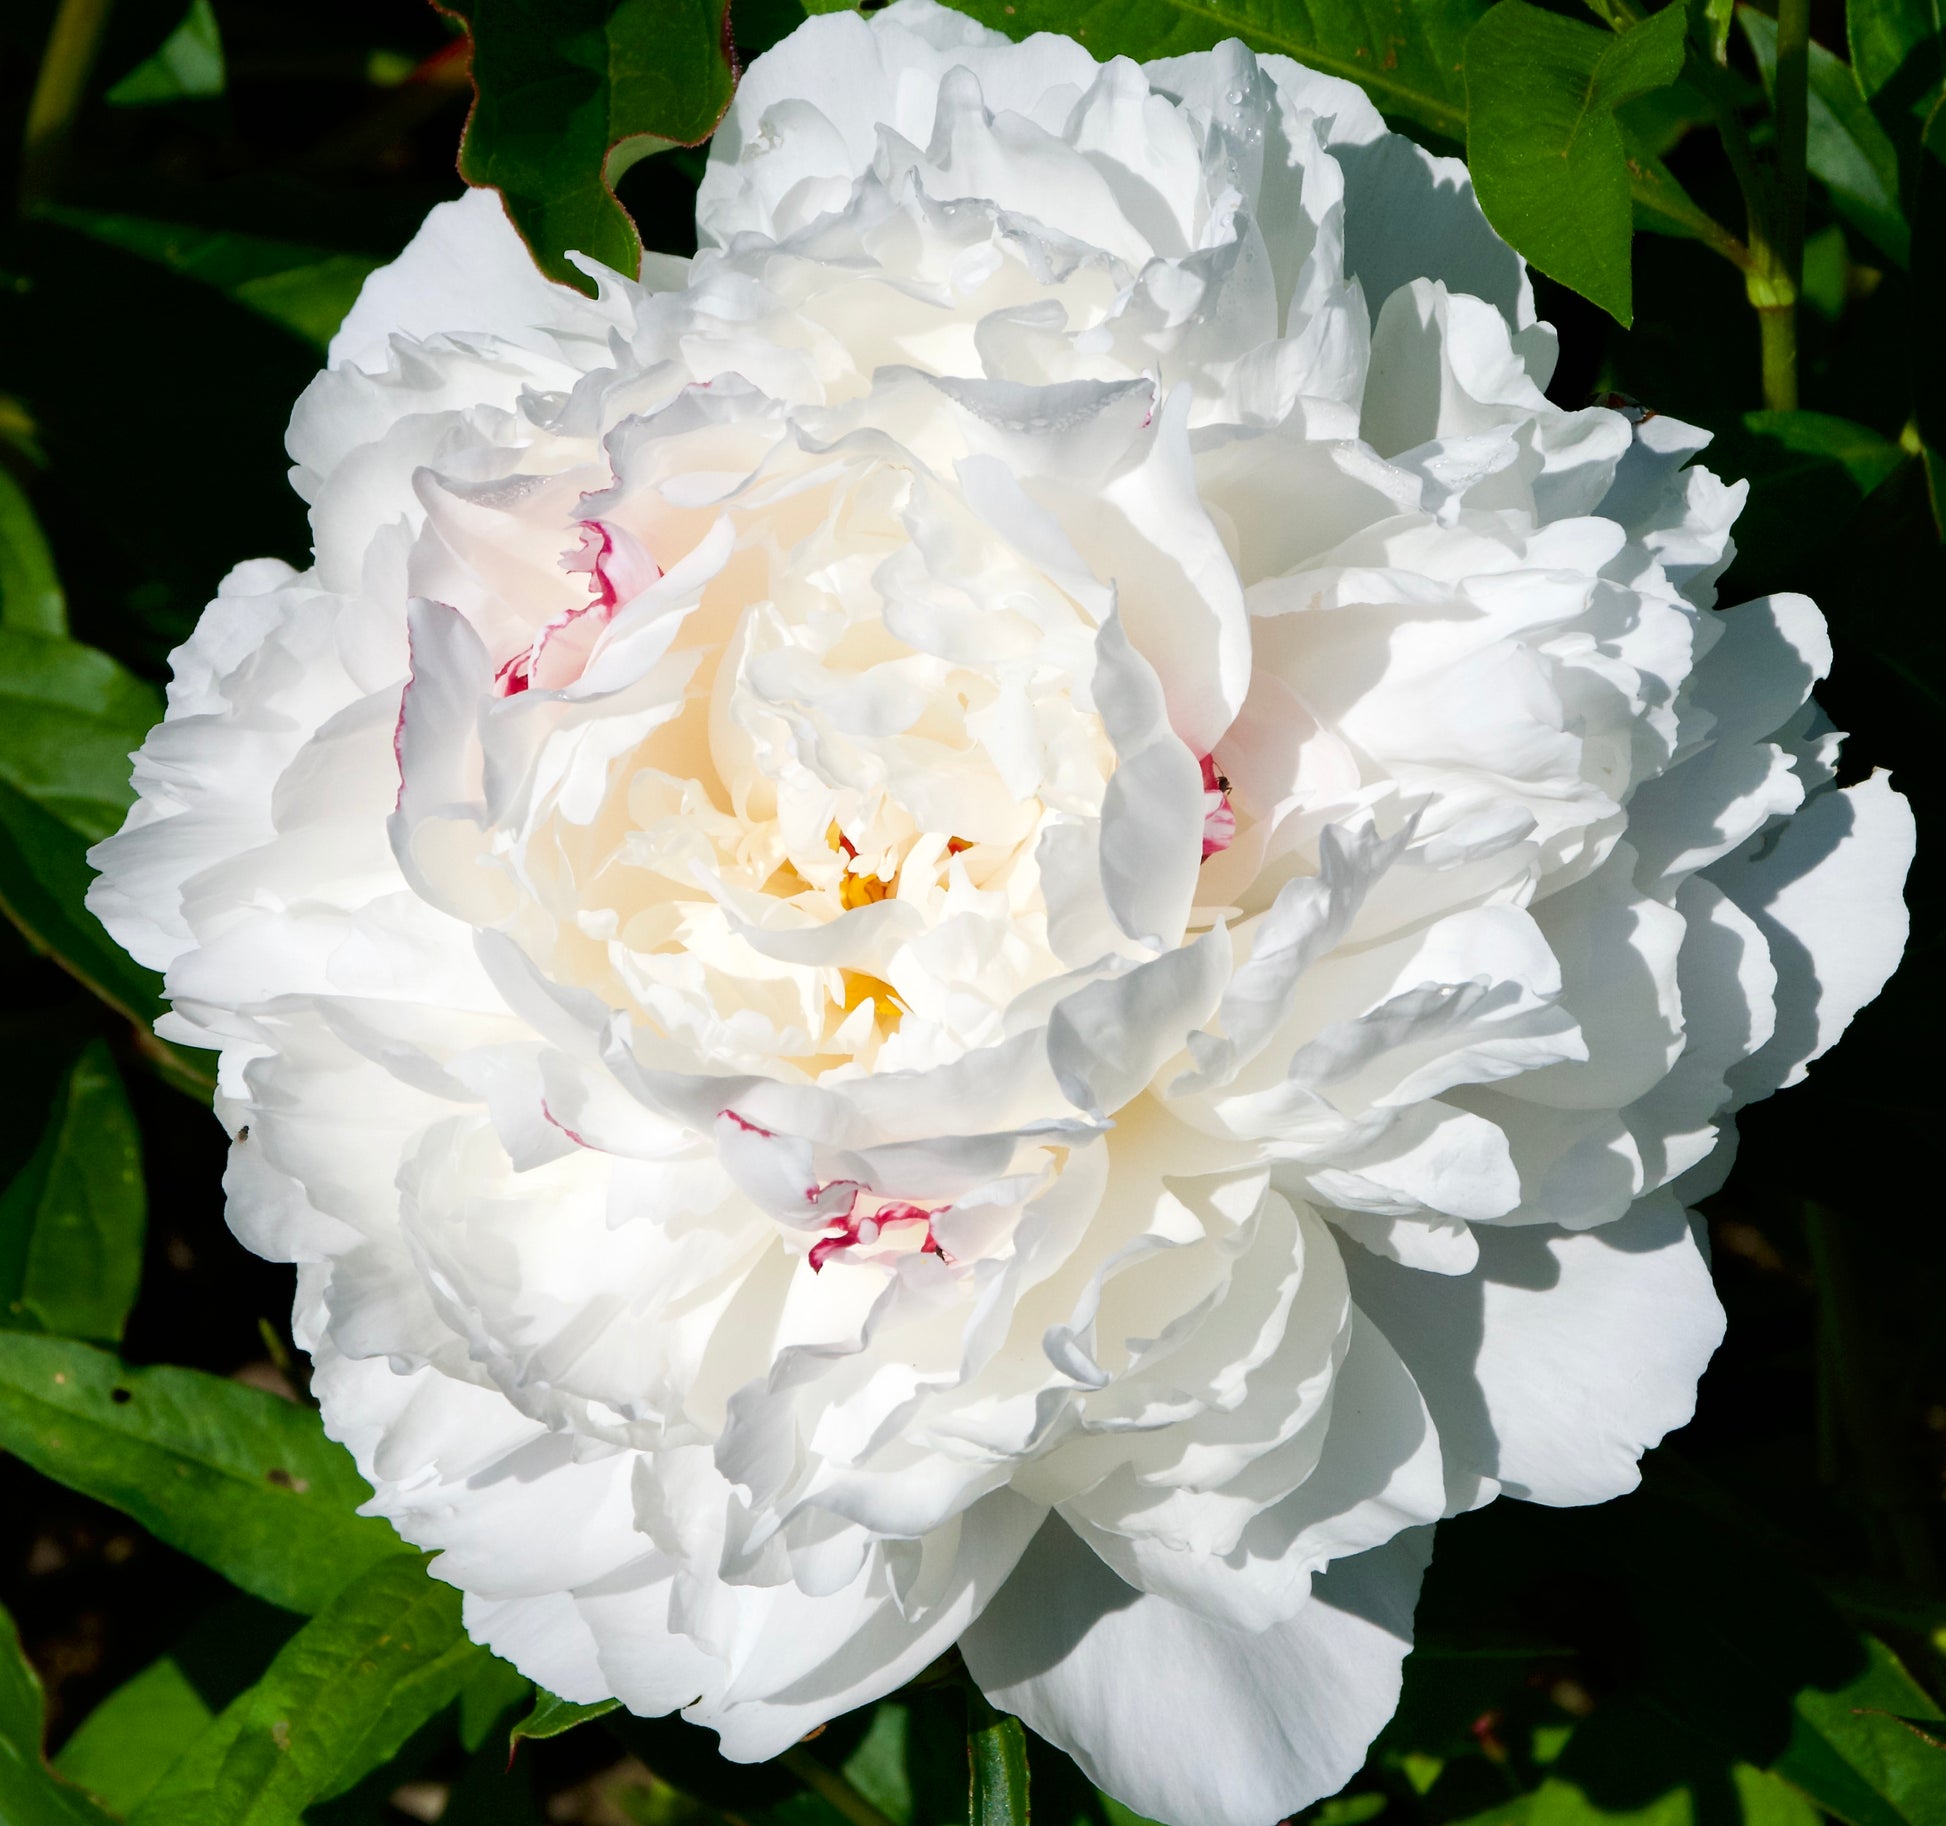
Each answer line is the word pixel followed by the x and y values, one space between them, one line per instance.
pixel 1928 352
pixel 187 66
pixel 1898 54
pixel 1546 150
pixel 71 1223
pixel 31 601
pixel 1807 472
pixel 1405 54
pixel 239 1479
pixel 877 1768
pixel 552 1715
pixel 1855 1753
pixel 342 1696
pixel 31 1794
pixel 569 95
pixel 69 718
pixel 306 290
pixel 1848 151
pixel 491 1690
pixel 996 1754
pixel 126 1744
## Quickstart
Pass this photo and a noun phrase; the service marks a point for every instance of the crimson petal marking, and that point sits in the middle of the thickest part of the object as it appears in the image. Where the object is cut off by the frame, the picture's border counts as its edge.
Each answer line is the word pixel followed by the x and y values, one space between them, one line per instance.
pixel 1219 821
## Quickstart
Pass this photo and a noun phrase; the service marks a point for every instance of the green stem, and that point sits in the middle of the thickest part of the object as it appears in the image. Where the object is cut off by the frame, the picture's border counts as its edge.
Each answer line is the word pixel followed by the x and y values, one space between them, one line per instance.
pixel 1774 232
pixel 1791 102
pixel 1777 327
pixel 828 1785
pixel 65 67
pixel 996 1758
pixel 1865 1413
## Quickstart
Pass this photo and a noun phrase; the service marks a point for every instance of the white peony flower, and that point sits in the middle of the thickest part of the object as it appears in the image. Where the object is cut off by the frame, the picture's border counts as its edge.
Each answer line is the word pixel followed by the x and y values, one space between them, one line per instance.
pixel 1011 916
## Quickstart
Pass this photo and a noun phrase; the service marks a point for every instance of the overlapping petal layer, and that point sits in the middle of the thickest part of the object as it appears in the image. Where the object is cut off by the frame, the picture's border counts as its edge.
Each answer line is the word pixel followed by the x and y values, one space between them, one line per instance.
pixel 1014 912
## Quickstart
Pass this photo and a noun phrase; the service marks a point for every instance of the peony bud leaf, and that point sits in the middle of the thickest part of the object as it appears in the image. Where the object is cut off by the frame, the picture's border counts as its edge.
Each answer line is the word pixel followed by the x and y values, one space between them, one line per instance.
pixel 567 96
pixel 1545 147
pixel 71 1222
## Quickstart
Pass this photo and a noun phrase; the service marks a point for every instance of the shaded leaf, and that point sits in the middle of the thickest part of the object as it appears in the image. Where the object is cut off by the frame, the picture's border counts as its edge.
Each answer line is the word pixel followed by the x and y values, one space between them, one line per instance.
pixel 569 95
pixel 31 601
pixel 1544 144
pixel 491 1690
pixel 996 1755
pixel 1927 346
pixel 1405 54
pixel 69 718
pixel 72 1220
pixel 31 1794
pixel 553 1715
pixel 1847 150
pixel 338 1701
pixel 306 290
pixel 1807 471
pixel 126 1744
pixel 1898 58
pixel 239 1479
pixel 878 1767
pixel 187 65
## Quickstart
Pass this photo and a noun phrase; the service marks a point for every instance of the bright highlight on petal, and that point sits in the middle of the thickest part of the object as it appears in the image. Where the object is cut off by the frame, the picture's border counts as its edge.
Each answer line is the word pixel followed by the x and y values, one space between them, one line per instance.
pixel 1012 915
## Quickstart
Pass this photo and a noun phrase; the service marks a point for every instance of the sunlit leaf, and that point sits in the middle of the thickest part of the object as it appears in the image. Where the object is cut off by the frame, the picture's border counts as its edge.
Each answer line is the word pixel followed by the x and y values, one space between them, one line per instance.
pixel 1405 54
pixel 126 1744
pixel 1847 150
pixel 71 1221
pixel 306 290
pixel 31 1794
pixel 187 65
pixel 569 95
pixel 31 601
pixel 342 1696
pixel 1544 144
pixel 239 1479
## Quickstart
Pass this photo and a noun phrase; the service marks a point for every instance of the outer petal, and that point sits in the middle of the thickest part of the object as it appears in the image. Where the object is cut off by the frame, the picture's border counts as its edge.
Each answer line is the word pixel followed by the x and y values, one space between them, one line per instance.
pixel 1564 1355
pixel 1191 1721
pixel 465 273
pixel 1827 897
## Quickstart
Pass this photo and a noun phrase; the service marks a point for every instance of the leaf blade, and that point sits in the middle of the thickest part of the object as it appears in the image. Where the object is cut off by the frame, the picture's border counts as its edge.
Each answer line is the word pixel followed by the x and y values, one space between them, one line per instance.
pixel 31 1794
pixel 239 1479
pixel 73 1218
pixel 340 1698
pixel 567 95
pixel 1405 54
pixel 1546 150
